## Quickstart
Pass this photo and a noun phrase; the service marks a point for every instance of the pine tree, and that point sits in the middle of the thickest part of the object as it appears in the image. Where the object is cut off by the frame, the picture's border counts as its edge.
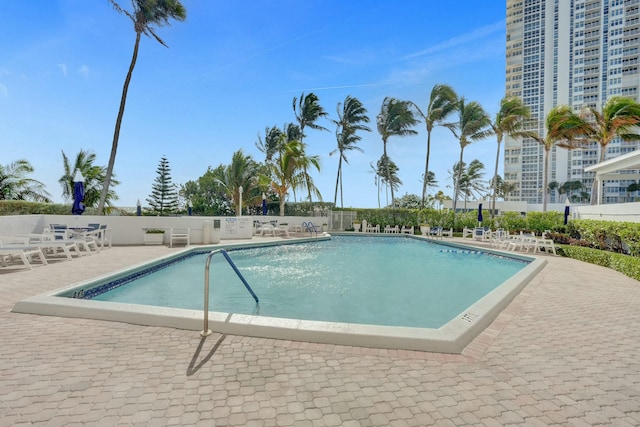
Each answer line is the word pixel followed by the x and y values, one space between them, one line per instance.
pixel 164 197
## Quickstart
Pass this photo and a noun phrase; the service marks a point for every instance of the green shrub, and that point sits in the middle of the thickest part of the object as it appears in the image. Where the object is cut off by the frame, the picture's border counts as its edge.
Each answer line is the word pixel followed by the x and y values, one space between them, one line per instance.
pixel 625 264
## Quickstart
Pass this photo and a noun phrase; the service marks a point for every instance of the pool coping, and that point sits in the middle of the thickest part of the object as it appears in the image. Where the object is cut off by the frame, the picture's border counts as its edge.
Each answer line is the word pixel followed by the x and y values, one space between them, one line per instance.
pixel 453 337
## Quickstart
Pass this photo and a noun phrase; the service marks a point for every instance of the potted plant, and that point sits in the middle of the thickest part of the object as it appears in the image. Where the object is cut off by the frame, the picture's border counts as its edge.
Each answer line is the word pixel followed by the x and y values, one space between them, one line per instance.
pixel 424 228
pixel 357 224
pixel 153 236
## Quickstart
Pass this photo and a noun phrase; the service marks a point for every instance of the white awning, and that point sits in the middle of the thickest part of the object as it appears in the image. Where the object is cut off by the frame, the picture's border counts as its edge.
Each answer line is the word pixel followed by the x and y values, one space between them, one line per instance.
pixel 612 169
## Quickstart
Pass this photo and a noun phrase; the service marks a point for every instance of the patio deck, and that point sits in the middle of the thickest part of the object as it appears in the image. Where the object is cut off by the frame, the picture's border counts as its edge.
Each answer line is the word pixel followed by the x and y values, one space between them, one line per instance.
pixel 566 351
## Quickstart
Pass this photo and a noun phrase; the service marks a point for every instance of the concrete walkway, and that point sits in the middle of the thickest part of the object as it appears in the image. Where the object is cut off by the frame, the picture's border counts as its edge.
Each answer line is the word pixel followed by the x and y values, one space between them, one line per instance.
pixel 566 352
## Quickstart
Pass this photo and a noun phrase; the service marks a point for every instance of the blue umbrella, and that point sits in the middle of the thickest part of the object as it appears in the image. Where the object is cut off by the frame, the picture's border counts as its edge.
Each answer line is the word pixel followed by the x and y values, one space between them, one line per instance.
pixel 264 204
pixel 78 194
pixel 566 213
pixel 479 212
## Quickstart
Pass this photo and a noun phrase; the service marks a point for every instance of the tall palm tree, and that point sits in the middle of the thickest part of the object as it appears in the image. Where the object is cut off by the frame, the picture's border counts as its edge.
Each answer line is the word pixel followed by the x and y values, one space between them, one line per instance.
pixel 442 102
pixel 473 125
pixel 619 118
pixel 561 124
pixel 15 185
pixel 396 118
pixel 351 116
pixel 308 111
pixel 145 16
pixel 93 174
pixel 508 122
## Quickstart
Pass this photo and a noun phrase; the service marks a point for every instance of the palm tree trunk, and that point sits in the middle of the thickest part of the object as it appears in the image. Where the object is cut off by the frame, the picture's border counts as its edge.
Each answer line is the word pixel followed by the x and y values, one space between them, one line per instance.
pixel 426 171
pixel 388 173
pixel 495 180
pixel 544 180
pixel 335 196
pixel 116 133
pixel 457 183
pixel 594 186
pixel 341 193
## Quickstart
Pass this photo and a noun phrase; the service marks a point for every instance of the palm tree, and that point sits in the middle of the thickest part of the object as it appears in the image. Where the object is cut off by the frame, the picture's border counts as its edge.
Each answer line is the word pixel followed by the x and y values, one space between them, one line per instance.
pixel 618 118
pixel 508 122
pixel 396 118
pixel 270 145
pixel 503 188
pixel 468 179
pixel 553 186
pixel 94 176
pixel 14 184
pixel 442 103
pixel 377 179
pixel 351 116
pixel 473 124
pixel 561 124
pixel 146 14
pixel 241 173
pixel 388 172
pixel 308 110
pixel 285 170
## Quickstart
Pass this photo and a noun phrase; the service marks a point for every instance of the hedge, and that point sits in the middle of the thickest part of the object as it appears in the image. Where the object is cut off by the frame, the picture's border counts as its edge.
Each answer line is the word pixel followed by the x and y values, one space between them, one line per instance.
pixel 625 264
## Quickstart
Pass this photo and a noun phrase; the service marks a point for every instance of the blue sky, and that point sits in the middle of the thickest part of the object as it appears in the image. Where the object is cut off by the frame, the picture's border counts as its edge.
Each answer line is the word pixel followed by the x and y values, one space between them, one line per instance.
pixel 231 70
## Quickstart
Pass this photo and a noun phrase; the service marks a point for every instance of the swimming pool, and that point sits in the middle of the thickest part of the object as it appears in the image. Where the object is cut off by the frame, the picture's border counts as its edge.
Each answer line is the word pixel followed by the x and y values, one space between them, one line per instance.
pixel 413 316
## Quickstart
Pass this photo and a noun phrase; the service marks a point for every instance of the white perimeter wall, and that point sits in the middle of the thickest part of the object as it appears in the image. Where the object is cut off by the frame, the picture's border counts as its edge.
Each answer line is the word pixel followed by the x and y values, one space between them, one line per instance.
pixel 128 230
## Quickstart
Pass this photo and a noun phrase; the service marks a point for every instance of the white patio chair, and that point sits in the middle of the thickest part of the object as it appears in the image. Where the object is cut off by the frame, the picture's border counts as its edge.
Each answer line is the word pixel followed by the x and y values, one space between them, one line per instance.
pixel 179 235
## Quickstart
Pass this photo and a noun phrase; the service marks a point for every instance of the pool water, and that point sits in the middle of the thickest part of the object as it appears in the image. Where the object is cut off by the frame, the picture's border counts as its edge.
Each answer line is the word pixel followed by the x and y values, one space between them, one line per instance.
pixel 392 281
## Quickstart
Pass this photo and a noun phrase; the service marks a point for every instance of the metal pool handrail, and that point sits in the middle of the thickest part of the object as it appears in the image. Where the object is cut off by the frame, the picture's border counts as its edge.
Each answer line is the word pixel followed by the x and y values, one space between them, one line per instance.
pixel 310 228
pixel 205 330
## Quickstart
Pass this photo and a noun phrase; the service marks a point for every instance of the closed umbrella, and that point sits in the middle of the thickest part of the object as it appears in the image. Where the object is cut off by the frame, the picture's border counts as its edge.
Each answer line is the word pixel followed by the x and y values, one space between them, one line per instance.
pixel 78 194
pixel 566 211
pixel 479 212
pixel 264 204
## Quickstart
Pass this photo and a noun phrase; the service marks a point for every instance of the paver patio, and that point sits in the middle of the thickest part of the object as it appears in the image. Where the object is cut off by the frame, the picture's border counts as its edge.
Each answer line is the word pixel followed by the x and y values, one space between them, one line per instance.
pixel 566 351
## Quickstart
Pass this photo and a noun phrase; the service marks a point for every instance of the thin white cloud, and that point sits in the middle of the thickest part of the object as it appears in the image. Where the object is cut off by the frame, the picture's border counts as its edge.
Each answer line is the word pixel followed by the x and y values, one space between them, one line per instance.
pixel 63 68
pixel 84 71
pixel 3 90
pixel 461 39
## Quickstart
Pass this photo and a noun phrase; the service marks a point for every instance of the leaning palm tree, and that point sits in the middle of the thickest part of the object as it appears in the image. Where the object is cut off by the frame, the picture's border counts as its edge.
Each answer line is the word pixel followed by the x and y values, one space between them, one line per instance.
pixel 508 122
pixel 442 103
pixel 351 116
pixel 15 185
pixel 473 124
pixel 619 118
pixel 93 174
pixel 396 118
pixel 146 14
pixel 561 125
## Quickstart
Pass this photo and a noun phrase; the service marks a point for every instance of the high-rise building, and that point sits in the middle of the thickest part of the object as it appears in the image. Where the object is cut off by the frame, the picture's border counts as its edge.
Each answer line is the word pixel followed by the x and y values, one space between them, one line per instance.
pixel 568 52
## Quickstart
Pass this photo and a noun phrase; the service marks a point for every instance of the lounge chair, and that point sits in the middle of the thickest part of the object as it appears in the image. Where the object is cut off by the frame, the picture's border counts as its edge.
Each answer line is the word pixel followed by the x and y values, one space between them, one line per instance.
pixel 390 229
pixel 407 230
pixel 447 233
pixel 467 232
pixel 367 228
pixel 22 252
pixel 177 235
